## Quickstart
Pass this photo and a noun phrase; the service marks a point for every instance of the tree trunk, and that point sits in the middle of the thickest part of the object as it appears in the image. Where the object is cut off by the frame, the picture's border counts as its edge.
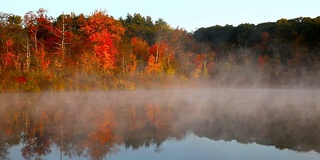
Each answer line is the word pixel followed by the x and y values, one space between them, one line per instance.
pixel 157 121
pixel 157 53
pixel 62 40
pixel 35 42
pixel 28 55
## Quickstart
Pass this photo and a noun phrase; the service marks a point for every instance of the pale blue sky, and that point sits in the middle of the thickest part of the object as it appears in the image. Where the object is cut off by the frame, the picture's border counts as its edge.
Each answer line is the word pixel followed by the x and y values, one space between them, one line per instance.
pixel 188 14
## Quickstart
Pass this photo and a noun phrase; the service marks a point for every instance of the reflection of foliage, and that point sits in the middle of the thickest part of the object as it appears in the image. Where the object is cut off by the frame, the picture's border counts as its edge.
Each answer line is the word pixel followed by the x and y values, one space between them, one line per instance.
pixel 100 141
pixel 4 147
pixel 280 127
pixel 92 132
pixel 36 147
pixel 91 129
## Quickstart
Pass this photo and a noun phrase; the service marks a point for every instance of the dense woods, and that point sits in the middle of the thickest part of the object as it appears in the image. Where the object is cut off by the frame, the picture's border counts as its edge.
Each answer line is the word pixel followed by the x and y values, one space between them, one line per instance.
pixel 87 52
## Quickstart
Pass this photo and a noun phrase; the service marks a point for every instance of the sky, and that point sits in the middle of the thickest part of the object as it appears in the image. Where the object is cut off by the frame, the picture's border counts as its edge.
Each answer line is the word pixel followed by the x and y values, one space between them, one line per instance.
pixel 187 14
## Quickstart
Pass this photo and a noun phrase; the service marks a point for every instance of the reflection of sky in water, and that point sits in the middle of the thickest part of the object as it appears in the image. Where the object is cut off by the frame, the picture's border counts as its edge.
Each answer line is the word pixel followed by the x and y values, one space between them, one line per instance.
pixel 281 118
pixel 192 148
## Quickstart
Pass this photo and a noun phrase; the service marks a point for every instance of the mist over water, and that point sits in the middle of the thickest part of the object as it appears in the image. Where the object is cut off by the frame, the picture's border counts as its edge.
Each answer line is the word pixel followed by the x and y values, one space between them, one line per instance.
pixel 100 124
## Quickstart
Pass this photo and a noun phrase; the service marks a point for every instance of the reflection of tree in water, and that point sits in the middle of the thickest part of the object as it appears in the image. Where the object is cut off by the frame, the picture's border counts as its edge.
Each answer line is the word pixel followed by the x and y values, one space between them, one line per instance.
pixel 94 129
pixel 100 141
pixel 36 137
pixel 4 146
pixel 84 130
pixel 151 125
pixel 282 127
pixel 37 146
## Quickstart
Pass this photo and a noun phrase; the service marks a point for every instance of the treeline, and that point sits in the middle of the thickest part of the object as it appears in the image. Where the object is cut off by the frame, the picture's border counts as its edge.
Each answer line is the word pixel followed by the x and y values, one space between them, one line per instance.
pixel 79 52
pixel 285 51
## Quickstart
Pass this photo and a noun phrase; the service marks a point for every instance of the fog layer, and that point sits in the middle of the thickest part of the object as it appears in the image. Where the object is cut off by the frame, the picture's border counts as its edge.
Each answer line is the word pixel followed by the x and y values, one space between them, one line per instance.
pixel 93 123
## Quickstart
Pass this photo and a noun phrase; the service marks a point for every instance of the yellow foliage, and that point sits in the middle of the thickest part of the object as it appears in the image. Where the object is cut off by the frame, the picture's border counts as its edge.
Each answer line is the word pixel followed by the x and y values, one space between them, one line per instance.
pixel 170 70
pixel 133 64
pixel 205 72
pixel 196 73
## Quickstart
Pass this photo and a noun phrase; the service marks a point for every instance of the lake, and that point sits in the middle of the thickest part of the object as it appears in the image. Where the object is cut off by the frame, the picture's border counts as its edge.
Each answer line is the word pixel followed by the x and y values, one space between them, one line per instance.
pixel 200 123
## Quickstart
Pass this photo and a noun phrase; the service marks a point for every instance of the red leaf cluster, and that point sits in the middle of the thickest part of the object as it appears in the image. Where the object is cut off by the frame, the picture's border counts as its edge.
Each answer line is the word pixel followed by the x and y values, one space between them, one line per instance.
pixel 20 80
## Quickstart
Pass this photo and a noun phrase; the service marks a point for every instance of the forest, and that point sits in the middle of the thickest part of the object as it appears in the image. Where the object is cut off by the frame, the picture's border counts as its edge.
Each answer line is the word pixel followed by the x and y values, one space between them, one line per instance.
pixel 98 52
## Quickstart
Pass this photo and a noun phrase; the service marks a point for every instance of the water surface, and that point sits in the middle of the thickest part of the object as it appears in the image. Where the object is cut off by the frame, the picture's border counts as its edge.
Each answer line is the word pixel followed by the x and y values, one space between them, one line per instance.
pixel 220 123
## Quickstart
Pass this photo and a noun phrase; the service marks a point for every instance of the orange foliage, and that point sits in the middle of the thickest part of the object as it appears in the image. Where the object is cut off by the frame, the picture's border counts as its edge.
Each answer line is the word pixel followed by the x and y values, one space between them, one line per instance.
pixel 132 67
pixel 44 62
pixel 100 140
pixel 140 48
pixel 153 67
pixel 199 59
pixel 152 114
pixel 9 59
pixel 105 32
pixel 103 132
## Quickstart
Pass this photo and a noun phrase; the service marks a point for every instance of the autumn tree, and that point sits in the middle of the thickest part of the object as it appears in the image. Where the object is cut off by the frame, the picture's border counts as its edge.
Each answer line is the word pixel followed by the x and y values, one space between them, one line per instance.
pixel 39 26
pixel 105 33
pixel 153 67
pixel 176 42
pixel 161 29
pixel 162 52
pixel 140 49
pixel 156 57
pixel 9 58
pixel 62 30
pixel 11 39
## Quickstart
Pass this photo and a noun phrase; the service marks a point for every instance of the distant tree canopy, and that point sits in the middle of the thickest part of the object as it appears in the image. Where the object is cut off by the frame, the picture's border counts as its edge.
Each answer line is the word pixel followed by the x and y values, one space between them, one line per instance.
pixel 39 52
pixel 270 37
